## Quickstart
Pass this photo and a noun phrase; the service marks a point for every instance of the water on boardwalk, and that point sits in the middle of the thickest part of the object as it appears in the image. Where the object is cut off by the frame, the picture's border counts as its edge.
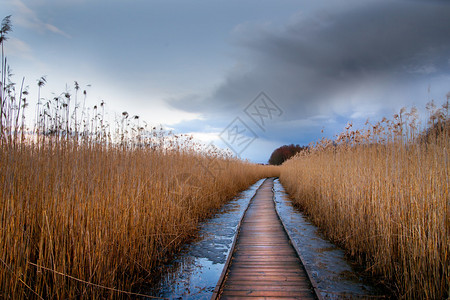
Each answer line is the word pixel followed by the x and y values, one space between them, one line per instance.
pixel 194 272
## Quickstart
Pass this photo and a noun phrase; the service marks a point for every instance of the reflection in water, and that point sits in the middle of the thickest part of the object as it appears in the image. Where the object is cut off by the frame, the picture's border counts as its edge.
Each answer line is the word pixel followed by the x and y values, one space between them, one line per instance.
pixel 196 269
pixel 194 272
pixel 335 277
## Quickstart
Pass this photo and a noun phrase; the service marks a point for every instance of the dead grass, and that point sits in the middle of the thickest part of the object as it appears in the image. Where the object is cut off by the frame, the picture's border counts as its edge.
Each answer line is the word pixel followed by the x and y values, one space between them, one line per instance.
pixel 103 214
pixel 383 193
pixel 90 209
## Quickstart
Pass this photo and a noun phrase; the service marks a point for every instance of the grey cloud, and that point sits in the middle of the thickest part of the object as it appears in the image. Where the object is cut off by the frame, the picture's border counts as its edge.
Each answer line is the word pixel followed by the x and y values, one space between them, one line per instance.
pixel 310 62
pixel 376 37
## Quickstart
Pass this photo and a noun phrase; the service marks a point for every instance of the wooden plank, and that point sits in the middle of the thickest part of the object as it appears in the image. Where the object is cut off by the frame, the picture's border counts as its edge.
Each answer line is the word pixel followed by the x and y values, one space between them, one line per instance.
pixel 245 293
pixel 267 282
pixel 267 250
pixel 274 277
pixel 267 257
pixel 247 253
pixel 263 262
pixel 268 274
pixel 263 242
pixel 271 287
pixel 260 247
pixel 258 298
pixel 267 269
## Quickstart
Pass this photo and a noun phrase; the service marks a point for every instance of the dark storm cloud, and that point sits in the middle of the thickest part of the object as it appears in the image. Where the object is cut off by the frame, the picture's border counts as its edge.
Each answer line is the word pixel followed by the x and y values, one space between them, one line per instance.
pixel 316 61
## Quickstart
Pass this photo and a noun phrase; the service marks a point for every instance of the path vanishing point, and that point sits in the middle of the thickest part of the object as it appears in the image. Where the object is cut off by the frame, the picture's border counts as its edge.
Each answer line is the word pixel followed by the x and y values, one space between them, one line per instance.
pixel 263 262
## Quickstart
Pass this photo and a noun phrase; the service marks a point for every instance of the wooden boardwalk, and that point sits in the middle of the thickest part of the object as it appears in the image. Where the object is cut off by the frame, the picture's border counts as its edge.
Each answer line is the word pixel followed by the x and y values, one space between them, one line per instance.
pixel 263 263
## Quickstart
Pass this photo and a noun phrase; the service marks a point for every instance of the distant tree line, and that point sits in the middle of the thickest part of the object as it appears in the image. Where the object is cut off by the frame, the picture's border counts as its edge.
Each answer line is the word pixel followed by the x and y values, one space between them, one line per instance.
pixel 285 152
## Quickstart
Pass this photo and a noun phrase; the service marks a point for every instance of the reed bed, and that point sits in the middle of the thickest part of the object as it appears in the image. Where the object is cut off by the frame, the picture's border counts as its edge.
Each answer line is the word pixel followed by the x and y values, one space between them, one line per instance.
pixel 90 210
pixel 382 192
pixel 103 215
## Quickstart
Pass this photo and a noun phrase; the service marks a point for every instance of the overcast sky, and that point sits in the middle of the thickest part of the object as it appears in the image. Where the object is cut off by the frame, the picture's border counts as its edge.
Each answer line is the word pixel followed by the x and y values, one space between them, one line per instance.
pixel 251 74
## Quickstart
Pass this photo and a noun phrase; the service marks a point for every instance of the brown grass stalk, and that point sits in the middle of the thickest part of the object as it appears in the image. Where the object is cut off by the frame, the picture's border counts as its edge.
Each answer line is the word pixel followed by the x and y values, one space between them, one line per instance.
pixel 85 204
pixel 103 215
pixel 383 194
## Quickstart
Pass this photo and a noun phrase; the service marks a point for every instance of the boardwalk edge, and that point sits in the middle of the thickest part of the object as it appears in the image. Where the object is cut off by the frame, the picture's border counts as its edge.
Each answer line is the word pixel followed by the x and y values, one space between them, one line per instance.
pixel 230 254
pixel 294 244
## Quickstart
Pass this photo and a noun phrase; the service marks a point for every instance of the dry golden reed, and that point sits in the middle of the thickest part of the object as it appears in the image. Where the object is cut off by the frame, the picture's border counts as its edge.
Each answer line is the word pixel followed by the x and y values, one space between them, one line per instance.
pixel 89 209
pixel 383 193
pixel 102 214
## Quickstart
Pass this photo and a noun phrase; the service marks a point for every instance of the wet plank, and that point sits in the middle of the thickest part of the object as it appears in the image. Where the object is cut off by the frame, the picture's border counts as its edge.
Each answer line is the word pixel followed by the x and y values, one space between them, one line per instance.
pixel 264 264
pixel 254 293
pixel 257 298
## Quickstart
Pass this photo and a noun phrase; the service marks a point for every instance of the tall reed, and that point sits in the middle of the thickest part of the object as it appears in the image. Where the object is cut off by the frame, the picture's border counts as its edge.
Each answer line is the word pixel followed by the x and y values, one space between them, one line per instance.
pixel 88 209
pixel 383 193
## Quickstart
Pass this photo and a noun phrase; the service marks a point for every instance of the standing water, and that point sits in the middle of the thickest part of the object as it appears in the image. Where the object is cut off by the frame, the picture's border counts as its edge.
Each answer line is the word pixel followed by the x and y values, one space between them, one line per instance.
pixel 195 271
pixel 336 278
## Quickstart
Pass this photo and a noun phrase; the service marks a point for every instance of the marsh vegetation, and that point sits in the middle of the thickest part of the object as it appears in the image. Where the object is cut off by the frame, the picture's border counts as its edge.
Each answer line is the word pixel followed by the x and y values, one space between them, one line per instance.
pixel 90 209
pixel 382 192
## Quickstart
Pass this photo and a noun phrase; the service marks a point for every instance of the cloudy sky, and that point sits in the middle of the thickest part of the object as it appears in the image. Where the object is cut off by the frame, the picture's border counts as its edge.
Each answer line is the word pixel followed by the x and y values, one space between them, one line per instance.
pixel 250 74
